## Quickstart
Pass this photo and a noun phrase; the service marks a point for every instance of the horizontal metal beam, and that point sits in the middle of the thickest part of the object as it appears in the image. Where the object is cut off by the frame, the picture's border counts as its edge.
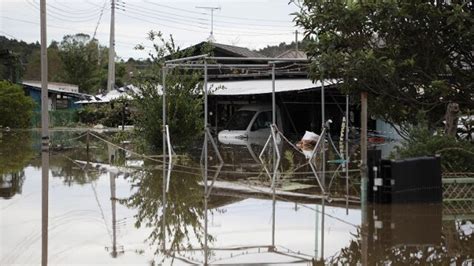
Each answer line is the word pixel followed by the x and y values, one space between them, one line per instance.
pixel 184 59
pixel 219 65
pixel 458 180
pixel 266 59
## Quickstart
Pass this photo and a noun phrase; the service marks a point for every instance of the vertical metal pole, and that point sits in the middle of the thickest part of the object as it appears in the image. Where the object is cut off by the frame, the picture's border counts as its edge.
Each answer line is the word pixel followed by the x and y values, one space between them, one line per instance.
pixel 44 137
pixel 323 135
pixel 212 23
pixel 296 41
pixel 316 232
pixel 205 125
pixel 273 96
pixel 323 213
pixel 163 226
pixel 274 112
pixel 87 144
pixel 363 147
pixel 111 70
pixel 273 217
pixel 364 177
pixel 347 154
pixel 205 158
pixel 206 248
pixel 274 120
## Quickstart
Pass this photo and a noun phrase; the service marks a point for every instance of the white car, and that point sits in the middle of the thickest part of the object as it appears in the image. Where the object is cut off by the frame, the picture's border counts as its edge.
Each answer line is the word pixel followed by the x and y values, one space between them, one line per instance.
pixel 250 124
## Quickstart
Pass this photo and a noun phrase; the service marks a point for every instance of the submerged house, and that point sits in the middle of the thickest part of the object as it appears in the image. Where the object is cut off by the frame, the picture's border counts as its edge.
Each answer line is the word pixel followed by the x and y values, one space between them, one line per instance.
pixel 61 96
pixel 298 98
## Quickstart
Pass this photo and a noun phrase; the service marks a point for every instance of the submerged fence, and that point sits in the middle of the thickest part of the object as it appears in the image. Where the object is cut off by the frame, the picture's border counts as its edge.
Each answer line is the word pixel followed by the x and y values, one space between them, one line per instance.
pixel 57 118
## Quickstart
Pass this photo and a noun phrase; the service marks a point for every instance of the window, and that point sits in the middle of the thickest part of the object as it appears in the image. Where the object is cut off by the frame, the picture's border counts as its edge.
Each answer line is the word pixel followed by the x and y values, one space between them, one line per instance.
pixel 263 120
pixel 240 120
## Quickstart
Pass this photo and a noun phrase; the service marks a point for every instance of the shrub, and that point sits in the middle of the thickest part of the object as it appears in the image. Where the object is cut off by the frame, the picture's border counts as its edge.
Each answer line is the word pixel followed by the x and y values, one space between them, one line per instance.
pixel 16 109
pixel 109 115
pixel 183 100
pixel 456 155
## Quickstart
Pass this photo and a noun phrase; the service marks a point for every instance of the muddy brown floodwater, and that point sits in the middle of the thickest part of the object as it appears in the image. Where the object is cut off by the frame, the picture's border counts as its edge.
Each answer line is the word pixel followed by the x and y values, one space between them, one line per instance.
pixel 108 207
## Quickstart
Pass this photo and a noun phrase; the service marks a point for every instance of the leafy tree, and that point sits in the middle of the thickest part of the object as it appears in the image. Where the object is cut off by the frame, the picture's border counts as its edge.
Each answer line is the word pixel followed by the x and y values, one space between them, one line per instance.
pixel 408 55
pixel 184 105
pixel 55 65
pixel 79 56
pixel 14 55
pixel 16 108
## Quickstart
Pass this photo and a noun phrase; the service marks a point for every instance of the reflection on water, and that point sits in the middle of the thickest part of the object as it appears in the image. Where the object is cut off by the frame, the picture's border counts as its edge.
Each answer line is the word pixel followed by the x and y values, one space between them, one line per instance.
pixel 15 153
pixel 107 207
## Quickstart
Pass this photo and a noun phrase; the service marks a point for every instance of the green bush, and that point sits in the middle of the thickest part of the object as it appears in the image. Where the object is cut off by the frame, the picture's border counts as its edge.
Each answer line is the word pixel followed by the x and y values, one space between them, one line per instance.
pixel 63 118
pixel 109 115
pixel 16 109
pixel 184 104
pixel 456 155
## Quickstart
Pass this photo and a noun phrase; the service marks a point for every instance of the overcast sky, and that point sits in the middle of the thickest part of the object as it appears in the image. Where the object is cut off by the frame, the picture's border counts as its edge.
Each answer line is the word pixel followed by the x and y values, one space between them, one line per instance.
pixel 251 23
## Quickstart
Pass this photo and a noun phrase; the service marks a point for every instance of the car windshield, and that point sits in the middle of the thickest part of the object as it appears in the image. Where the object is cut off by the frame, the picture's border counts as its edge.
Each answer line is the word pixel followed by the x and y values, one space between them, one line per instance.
pixel 240 120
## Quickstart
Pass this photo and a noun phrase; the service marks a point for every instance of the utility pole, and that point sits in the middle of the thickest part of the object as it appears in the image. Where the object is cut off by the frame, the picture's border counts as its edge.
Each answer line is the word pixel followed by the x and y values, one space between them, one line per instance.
pixel 210 8
pixel 44 77
pixel 296 41
pixel 44 137
pixel 111 73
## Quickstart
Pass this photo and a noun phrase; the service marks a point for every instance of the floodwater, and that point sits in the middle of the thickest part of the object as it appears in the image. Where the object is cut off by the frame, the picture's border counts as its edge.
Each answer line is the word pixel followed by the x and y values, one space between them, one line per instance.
pixel 111 206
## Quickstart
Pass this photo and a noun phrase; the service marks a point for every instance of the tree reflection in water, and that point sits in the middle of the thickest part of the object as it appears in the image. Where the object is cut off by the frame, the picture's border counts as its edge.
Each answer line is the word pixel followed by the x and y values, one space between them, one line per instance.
pixel 15 153
pixel 184 209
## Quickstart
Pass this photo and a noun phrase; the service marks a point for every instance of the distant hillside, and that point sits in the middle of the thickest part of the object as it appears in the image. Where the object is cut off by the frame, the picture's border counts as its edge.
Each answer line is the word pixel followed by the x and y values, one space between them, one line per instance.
pixel 14 56
pixel 21 48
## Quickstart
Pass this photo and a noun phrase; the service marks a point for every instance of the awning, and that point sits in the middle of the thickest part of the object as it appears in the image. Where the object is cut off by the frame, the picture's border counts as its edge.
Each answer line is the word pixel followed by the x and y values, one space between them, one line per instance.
pixel 250 87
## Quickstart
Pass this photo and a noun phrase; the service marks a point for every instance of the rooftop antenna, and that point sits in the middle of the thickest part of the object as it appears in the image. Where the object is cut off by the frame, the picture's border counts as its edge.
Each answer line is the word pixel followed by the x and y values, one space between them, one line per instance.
pixel 211 36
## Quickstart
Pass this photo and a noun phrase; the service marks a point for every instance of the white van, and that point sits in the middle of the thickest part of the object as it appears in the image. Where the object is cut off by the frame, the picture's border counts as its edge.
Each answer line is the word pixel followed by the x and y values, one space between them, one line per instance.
pixel 250 124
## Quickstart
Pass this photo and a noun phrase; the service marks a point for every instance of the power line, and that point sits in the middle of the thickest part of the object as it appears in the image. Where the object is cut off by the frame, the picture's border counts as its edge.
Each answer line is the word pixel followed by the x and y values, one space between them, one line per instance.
pixel 67 28
pixel 139 13
pixel 57 16
pixel 77 10
pixel 181 21
pixel 60 12
pixel 216 22
pixel 98 21
pixel 234 32
pixel 9 35
pixel 199 13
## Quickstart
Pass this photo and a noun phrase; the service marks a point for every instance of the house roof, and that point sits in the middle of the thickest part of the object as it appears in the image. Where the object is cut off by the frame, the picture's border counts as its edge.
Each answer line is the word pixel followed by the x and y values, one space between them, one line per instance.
pixel 238 51
pixel 52 87
pixel 126 92
pixel 293 54
pixel 225 50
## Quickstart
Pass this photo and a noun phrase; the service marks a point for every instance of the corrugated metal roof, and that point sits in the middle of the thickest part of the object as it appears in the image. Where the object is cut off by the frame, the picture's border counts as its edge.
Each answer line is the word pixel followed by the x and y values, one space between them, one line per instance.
pixel 293 54
pixel 229 88
pixel 249 87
